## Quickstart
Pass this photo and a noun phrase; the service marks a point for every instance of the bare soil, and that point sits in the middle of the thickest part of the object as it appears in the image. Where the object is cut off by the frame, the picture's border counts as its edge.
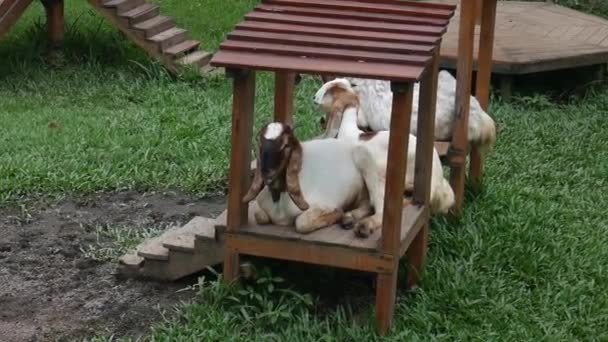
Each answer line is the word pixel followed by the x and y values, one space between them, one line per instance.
pixel 49 291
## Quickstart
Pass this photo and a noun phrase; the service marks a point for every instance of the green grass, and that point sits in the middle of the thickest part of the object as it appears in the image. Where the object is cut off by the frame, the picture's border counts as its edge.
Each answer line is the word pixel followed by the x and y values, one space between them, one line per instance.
pixel 527 261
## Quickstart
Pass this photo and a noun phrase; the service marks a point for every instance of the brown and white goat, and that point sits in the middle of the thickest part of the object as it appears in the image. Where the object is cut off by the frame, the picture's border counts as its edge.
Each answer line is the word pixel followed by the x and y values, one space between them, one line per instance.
pixel 340 103
pixel 310 184
pixel 376 102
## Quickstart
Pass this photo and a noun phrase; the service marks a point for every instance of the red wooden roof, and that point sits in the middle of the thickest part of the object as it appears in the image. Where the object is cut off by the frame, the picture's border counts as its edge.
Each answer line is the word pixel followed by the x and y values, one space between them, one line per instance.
pixel 381 39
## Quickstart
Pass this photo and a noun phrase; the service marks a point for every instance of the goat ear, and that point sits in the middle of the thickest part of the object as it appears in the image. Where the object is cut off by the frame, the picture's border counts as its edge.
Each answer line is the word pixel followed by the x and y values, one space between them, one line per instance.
pixel 292 177
pixel 257 184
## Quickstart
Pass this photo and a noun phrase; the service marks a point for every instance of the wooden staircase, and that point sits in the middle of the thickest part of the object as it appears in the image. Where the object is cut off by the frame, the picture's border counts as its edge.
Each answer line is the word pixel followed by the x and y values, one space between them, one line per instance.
pixel 158 35
pixel 178 252
pixel 10 12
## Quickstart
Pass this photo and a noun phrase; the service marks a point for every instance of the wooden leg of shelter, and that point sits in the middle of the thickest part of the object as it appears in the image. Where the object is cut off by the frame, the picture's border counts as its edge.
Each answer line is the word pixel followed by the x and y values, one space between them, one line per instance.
pixel 240 159
pixel 463 92
pixel 55 28
pixel 416 252
pixel 386 285
pixel 386 292
pixel 284 84
pixel 416 255
pixel 482 91
pixel 506 87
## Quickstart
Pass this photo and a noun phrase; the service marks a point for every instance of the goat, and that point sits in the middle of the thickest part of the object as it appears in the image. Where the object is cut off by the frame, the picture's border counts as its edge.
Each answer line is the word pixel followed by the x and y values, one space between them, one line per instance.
pixel 340 102
pixel 376 101
pixel 310 184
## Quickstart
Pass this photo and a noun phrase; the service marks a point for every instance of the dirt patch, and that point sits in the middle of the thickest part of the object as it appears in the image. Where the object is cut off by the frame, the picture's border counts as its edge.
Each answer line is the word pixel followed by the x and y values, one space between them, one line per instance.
pixel 49 289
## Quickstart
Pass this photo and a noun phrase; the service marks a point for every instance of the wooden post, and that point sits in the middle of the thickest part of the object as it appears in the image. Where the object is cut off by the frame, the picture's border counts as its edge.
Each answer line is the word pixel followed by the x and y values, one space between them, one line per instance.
pixel 464 70
pixel 284 84
pixel 55 28
pixel 386 285
pixel 416 252
pixel 482 91
pixel 506 87
pixel 243 103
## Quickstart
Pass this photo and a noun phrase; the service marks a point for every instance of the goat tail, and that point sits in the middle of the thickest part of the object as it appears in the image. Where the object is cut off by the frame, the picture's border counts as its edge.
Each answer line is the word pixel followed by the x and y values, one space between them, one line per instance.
pixel 482 129
pixel 442 197
pixel 487 138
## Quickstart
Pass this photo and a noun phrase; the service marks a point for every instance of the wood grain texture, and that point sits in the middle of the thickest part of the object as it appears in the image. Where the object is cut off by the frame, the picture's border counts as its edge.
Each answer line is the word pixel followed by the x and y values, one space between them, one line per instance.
pixel 240 159
pixel 301 251
pixel 426 133
pixel 413 217
pixel 11 12
pixel 389 40
pixel 386 290
pixel 54 22
pixel 396 165
pixel 463 95
pixel 284 84
pixel 553 33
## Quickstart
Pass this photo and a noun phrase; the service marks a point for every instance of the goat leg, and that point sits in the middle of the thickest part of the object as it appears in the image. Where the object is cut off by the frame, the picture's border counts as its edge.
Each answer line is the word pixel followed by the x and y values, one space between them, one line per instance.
pixel 317 218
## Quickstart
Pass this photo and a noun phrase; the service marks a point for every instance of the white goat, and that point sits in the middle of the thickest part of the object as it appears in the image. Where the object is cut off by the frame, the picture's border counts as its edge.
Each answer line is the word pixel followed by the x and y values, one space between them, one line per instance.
pixel 376 102
pixel 310 183
pixel 340 103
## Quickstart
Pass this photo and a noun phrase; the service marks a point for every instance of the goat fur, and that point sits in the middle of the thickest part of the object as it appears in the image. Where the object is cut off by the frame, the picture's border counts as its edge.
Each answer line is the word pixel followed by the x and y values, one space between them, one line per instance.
pixel 324 174
pixel 376 102
pixel 340 103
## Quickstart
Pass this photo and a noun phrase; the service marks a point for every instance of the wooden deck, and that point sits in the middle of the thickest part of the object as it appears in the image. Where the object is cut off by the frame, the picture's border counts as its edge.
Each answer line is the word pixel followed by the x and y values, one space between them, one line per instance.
pixel 537 36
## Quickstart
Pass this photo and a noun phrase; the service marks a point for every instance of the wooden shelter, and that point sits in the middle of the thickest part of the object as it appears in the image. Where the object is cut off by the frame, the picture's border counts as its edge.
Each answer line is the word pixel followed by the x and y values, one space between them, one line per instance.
pixel 345 38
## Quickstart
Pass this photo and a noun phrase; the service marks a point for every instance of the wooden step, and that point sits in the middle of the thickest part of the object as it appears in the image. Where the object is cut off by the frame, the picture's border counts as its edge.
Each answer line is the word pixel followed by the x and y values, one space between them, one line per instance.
pixel 183 239
pixel 154 26
pixel 182 48
pixel 123 5
pixel 169 38
pixel 153 248
pixel 141 13
pixel 198 58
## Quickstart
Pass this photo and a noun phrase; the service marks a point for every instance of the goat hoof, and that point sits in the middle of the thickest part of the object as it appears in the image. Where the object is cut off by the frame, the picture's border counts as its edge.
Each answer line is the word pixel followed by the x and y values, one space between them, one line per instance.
pixel 348 222
pixel 363 231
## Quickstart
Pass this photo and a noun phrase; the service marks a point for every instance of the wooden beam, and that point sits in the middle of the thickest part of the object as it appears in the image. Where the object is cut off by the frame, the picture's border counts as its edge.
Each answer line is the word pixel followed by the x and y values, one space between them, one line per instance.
pixel 463 97
pixel 14 10
pixel 243 103
pixel 396 166
pixel 284 84
pixel 482 90
pixel 310 252
pixel 426 133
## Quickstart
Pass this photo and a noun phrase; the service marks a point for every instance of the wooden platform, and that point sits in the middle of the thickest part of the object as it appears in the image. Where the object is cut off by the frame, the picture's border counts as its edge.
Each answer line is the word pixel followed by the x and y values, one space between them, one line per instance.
pixel 537 36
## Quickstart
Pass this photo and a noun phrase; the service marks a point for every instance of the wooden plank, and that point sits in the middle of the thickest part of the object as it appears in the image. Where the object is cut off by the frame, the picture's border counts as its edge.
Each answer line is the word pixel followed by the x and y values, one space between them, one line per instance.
pixel 297 40
pixel 335 256
pixel 230 59
pixel 318 52
pixel 434 31
pixel 183 239
pixel 337 33
pixel 413 219
pixel 598 36
pixel 436 5
pixel 413 9
pixel 353 15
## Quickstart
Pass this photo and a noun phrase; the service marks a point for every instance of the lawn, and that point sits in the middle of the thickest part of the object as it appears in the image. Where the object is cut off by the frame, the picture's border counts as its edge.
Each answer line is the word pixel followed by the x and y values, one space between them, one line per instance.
pixel 527 261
